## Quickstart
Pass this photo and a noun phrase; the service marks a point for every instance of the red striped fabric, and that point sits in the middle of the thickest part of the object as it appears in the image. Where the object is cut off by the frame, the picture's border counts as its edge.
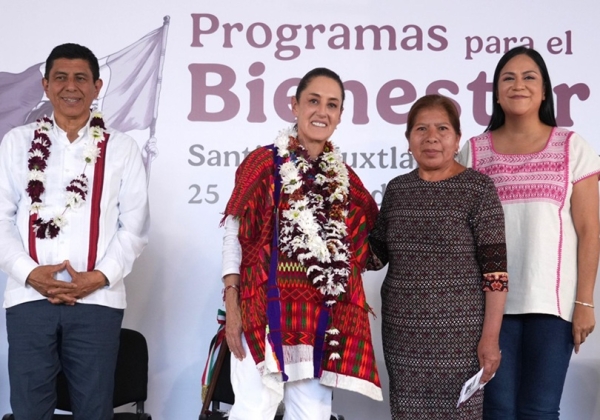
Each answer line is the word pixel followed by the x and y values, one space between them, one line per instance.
pixel 301 303
pixel 95 204
pixel 32 248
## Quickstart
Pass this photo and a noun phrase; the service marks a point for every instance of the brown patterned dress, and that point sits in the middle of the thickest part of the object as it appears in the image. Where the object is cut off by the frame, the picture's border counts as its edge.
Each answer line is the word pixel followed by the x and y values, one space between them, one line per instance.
pixel 439 238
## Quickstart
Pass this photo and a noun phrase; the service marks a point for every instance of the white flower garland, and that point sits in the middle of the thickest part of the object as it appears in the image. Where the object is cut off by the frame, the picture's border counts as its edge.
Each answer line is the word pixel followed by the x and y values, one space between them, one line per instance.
pixel 76 190
pixel 323 240
pixel 313 229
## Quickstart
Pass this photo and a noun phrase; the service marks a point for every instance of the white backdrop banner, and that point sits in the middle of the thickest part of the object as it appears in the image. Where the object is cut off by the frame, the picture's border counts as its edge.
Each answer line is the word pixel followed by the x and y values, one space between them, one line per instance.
pixel 199 85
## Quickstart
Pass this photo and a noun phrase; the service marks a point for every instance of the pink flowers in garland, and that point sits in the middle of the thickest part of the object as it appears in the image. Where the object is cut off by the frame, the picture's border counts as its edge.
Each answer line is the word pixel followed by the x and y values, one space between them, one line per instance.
pixel 76 191
pixel 313 230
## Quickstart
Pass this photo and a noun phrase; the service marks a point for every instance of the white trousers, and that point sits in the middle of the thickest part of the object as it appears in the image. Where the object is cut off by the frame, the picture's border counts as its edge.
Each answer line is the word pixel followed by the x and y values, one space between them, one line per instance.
pixel 304 400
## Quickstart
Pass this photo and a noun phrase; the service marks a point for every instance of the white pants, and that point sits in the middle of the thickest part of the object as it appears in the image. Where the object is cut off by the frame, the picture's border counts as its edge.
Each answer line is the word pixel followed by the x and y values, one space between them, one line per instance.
pixel 304 400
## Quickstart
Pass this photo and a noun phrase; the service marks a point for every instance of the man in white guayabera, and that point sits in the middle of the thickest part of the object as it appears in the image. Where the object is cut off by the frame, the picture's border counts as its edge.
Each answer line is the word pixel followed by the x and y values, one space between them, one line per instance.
pixel 73 219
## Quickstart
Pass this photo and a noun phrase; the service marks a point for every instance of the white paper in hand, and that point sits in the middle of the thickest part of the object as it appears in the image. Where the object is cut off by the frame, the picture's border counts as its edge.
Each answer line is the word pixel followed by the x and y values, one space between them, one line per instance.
pixel 470 387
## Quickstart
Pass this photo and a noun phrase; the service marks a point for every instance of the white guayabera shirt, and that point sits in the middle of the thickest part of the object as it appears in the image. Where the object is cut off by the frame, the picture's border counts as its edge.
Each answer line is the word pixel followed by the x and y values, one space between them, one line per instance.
pixel 124 214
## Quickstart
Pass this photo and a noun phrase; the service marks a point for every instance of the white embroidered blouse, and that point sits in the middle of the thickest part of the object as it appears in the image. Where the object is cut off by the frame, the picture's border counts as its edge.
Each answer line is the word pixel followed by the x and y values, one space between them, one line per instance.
pixel 535 191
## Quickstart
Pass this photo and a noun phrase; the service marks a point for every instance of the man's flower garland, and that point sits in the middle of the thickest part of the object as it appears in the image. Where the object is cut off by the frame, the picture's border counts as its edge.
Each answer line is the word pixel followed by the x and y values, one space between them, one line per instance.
pixel 77 189
pixel 313 229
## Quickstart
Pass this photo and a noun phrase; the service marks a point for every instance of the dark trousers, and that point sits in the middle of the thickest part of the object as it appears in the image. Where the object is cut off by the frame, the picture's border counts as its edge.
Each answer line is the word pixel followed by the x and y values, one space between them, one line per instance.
pixel 536 350
pixel 82 340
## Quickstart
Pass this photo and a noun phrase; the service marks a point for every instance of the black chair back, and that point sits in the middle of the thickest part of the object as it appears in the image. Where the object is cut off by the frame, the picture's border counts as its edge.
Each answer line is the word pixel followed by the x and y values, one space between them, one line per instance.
pixel 131 375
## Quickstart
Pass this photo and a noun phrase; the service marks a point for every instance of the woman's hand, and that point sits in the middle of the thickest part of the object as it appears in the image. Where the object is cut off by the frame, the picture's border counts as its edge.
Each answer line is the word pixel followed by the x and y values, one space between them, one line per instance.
pixel 488 352
pixel 233 317
pixel 584 322
pixel 584 210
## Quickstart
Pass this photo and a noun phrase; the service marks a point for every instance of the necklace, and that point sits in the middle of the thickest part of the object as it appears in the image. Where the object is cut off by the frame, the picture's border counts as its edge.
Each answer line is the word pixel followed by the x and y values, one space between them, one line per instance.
pixel 76 190
pixel 313 229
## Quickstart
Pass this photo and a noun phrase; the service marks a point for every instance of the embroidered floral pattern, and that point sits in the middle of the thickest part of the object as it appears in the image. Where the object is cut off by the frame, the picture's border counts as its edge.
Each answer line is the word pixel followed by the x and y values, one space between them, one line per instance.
pixel 495 282
pixel 76 191
pixel 535 177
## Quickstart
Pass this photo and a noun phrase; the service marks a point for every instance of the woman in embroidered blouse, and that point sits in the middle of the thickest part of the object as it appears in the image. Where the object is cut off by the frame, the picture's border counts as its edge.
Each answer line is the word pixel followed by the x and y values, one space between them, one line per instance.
pixel 441 228
pixel 297 319
pixel 547 179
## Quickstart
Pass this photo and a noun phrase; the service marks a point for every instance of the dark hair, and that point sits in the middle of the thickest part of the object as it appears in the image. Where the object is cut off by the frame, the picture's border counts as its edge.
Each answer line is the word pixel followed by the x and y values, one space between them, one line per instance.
pixel 319 71
pixel 72 52
pixel 433 101
pixel 546 112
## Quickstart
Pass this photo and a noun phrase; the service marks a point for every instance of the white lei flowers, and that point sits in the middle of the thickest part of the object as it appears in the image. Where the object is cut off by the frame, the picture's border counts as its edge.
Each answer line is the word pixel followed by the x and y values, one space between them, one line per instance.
pixel 77 189
pixel 313 229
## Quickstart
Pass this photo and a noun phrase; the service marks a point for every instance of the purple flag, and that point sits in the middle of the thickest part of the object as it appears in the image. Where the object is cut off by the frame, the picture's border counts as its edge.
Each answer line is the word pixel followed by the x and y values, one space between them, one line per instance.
pixel 19 94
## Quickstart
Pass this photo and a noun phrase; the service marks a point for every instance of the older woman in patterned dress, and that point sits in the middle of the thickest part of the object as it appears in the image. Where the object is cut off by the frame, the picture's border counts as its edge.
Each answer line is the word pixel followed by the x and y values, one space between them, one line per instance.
pixel 441 228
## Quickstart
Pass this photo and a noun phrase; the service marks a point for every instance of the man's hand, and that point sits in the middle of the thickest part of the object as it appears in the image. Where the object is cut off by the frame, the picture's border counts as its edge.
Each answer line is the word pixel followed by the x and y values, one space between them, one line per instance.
pixel 86 282
pixel 42 279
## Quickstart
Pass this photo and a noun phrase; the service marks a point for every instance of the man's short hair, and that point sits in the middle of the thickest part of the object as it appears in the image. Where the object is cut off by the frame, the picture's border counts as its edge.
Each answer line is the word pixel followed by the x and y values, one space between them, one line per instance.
pixel 73 52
